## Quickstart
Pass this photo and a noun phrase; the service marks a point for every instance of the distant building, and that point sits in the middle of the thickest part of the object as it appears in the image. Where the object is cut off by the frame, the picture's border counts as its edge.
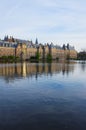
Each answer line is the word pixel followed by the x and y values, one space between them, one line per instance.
pixel 27 49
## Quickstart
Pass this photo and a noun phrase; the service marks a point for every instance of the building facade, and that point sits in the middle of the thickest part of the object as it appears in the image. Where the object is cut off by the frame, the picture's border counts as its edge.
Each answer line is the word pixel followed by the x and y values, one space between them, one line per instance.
pixel 27 49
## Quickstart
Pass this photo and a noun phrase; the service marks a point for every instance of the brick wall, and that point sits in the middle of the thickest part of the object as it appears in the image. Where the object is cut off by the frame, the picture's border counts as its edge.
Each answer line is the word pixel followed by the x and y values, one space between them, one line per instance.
pixel 6 51
pixel 26 53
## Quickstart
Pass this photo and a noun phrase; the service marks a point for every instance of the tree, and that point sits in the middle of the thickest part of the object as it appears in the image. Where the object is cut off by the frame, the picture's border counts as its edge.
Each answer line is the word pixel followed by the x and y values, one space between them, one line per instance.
pixel 82 55
pixel 49 57
pixel 37 55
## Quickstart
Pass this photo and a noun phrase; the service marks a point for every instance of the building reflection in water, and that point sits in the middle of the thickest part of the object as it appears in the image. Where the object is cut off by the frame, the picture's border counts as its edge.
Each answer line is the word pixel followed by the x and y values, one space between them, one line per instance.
pixel 20 70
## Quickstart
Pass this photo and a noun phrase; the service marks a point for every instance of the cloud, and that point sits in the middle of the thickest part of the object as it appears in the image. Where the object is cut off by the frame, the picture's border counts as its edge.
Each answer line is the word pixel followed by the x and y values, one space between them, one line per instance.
pixel 50 20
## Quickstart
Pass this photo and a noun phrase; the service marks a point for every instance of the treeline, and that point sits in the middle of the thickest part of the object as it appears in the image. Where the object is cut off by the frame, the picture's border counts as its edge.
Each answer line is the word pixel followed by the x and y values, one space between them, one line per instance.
pixel 9 59
pixel 81 55
pixel 38 57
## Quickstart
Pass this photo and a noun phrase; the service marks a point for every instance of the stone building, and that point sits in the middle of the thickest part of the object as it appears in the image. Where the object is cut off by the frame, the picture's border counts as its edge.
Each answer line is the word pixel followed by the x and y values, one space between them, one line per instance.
pixel 27 49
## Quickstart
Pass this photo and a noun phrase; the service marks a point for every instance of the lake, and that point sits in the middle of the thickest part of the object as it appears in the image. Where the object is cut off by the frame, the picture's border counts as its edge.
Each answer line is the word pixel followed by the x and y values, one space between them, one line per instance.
pixel 43 96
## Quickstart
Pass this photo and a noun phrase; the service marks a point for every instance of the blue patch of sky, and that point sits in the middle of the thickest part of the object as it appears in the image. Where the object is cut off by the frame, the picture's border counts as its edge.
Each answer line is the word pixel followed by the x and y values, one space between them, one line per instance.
pixel 40 16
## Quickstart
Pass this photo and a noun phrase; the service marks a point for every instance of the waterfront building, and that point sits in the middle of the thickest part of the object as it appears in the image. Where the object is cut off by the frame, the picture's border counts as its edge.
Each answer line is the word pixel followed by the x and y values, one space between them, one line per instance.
pixel 26 49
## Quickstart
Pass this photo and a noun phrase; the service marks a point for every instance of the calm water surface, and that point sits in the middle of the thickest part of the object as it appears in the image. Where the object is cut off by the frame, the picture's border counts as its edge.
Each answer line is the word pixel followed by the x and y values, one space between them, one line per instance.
pixel 42 96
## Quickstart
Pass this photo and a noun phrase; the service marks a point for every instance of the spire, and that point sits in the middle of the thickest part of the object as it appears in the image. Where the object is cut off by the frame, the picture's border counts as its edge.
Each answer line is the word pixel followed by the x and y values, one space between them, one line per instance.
pixel 6 38
pixel 36 42
pixel 68 46
pixel 64 47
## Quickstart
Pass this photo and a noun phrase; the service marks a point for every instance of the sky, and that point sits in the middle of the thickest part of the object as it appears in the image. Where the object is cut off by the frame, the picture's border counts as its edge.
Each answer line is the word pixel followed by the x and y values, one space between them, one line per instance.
pixel 57 21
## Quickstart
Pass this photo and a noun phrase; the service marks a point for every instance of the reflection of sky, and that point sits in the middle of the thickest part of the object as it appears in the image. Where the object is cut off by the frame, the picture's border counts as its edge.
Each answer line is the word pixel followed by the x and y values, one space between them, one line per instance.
pixel 49 99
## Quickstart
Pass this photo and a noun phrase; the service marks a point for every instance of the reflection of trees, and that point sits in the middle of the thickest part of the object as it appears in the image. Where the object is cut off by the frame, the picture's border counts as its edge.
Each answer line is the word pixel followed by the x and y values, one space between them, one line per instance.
pixel 20 70
pixel 83 65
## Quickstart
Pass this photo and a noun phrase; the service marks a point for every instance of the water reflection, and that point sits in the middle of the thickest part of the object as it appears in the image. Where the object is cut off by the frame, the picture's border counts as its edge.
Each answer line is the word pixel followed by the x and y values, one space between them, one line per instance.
pixel 21 70
pixel 43 96
pixel 83 66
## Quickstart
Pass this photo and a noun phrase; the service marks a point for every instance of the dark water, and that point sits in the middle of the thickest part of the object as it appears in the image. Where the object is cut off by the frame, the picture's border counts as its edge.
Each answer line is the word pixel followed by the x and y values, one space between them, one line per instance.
pixel 43 96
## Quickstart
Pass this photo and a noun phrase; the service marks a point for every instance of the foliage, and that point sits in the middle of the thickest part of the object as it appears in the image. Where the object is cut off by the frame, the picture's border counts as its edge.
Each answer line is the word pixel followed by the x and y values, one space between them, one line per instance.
pixel 37 55
pixel 81 55
pixel 9 58
pixel 49 57
pixel 32 57
pixel 57 58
